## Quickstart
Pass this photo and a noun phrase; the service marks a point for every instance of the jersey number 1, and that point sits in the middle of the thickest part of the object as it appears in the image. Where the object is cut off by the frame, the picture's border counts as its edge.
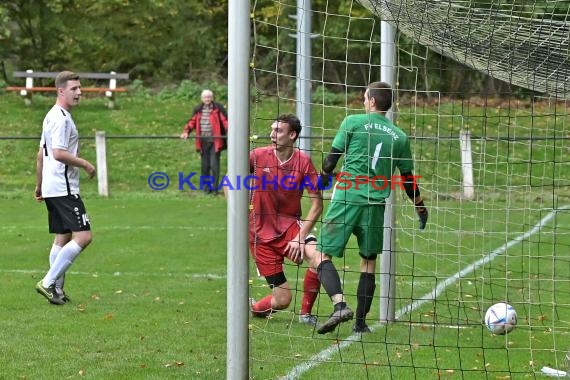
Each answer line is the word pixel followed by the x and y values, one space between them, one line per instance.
pixel 376 155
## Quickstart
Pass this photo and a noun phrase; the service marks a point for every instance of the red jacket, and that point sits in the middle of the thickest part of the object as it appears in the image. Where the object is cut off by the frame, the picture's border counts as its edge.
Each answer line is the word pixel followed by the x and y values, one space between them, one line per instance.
pixel 219 122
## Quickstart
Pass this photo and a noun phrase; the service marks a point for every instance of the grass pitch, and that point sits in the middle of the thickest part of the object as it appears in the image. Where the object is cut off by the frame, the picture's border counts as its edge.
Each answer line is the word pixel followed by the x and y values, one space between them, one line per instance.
pixel 149 294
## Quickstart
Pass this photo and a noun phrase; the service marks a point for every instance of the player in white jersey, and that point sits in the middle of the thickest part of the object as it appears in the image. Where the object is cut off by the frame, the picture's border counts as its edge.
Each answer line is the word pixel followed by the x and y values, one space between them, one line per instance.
pixel 57 183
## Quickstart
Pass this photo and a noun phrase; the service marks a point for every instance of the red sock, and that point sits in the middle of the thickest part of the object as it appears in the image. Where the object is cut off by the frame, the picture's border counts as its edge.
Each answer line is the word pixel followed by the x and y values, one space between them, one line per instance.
pixel 263 305
pixel 311 285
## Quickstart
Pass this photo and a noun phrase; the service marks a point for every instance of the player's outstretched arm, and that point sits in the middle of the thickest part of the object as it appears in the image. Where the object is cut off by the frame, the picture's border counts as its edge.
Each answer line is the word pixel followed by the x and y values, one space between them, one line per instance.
pixel 413 192
pixel 330 161
pixel 329 164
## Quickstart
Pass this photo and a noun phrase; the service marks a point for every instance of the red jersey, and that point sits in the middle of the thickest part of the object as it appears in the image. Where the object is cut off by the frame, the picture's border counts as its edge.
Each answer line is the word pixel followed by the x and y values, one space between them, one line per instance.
pixel 277 191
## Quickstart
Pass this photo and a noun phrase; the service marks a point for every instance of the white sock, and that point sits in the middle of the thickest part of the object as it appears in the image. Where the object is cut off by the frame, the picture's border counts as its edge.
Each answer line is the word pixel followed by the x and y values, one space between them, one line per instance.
pixel 62 262
pixel 52 256
pixel 53 253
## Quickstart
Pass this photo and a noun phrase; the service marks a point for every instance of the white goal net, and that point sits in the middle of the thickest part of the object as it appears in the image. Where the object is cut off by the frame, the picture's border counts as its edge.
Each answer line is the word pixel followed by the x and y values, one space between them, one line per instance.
pixel 495 74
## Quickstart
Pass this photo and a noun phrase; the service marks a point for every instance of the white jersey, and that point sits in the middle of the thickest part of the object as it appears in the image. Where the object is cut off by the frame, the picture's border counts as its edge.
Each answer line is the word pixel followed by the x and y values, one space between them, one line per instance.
pixel 59 132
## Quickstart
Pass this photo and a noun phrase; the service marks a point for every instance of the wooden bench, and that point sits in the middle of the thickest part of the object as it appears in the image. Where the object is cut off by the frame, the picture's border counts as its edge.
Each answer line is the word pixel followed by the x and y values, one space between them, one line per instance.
pixel 109 91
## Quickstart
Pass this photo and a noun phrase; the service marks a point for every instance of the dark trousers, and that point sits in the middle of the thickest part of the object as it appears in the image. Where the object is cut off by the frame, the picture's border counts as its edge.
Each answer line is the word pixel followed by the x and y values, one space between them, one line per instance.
pixel 210 165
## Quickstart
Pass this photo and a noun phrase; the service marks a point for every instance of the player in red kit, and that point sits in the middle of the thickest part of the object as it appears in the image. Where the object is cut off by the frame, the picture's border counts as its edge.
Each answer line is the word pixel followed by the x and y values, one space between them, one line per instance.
pixel 281 174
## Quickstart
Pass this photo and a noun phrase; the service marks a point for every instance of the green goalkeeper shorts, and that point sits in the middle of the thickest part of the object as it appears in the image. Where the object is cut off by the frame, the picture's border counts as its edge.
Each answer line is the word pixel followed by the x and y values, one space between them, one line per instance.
pixel 342 220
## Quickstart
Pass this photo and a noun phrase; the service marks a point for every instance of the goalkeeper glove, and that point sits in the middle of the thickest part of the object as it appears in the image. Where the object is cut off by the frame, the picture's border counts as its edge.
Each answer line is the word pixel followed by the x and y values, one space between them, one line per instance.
pixel 326 180
pixel 422 212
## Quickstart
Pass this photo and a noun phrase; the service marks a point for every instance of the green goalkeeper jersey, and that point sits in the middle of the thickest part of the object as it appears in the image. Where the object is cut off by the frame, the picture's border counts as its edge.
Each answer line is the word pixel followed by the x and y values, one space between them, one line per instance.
pixel 373 148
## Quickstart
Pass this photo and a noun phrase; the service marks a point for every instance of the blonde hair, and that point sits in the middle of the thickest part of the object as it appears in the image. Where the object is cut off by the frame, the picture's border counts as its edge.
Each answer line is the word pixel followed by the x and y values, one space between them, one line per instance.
pixel 63 77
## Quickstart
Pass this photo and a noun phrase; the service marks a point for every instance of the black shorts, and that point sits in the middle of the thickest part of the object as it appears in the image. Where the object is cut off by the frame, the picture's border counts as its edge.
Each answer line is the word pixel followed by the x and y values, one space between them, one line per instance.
pixel 67 214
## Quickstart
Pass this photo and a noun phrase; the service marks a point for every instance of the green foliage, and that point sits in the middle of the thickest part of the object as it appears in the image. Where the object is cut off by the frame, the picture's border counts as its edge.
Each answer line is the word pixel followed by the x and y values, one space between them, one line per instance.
pixel 322 95
pixel 137 89
pixel 190 91
pixel 337 37
pixel 153 40
pixel 187 90
pixel 163 42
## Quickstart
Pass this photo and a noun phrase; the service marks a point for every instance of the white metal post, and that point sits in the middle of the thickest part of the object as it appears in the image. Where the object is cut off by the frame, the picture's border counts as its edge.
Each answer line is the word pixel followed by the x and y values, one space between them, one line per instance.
pixel 111 94
pixel 388 258
pixel 303 90
pixel 237 352
pixel 101 149
pixel 467 164
pixel 29 85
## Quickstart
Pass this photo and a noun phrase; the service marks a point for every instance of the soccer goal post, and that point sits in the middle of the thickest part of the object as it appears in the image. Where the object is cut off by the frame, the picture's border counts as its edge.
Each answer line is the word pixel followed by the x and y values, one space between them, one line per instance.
pixel 237 345
pixel 388 257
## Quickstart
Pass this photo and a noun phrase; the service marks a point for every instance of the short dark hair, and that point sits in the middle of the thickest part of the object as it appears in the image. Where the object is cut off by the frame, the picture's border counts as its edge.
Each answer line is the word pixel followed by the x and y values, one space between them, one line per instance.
pixel 382 94
pixel 63 77
pixel 293 121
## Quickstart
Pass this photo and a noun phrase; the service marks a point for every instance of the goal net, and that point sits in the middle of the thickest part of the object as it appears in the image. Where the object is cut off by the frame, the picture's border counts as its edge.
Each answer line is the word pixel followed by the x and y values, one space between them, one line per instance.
pixel 482 89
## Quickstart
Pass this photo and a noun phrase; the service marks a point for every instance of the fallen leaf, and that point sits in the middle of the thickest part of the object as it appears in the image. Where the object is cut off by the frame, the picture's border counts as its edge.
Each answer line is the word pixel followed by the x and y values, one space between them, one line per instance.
pixel 176 363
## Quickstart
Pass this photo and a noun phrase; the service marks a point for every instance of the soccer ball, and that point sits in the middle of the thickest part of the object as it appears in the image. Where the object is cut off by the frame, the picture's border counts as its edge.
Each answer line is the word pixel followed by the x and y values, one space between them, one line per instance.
pixel 501 318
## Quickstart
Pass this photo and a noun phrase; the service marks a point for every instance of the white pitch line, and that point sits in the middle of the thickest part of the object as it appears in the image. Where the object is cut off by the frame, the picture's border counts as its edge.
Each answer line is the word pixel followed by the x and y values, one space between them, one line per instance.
pixel 434 325
pixel 119 227
pixel 324 355
pixel 212 276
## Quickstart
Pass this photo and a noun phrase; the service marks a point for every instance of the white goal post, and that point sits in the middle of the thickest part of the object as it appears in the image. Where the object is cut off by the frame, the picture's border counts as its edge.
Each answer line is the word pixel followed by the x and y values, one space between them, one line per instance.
pixel 237 345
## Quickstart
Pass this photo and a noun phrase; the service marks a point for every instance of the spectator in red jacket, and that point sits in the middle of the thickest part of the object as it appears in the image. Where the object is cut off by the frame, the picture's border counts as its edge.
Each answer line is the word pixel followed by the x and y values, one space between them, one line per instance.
pixel 210 121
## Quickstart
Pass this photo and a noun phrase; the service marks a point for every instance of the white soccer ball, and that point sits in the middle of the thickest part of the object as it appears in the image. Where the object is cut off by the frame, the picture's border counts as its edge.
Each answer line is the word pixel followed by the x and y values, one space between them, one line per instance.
pixel 501 318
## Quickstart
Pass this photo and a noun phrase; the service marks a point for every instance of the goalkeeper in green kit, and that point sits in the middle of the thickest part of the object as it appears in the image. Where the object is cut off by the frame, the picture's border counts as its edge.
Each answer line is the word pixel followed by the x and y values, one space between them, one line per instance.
pixel 373 147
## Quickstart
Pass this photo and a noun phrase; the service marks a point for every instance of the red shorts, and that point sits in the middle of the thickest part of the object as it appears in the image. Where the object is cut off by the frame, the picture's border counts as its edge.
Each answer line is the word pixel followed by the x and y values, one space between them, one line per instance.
pixel 269 255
